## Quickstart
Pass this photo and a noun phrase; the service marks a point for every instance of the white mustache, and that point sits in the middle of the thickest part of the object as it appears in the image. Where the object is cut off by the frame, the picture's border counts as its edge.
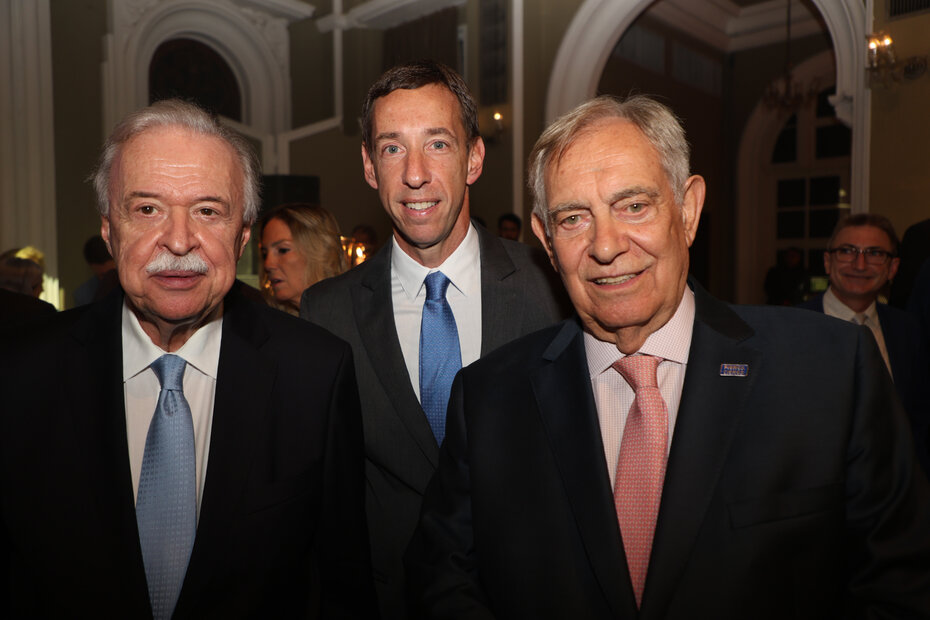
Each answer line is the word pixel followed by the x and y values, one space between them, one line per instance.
pixel 166 261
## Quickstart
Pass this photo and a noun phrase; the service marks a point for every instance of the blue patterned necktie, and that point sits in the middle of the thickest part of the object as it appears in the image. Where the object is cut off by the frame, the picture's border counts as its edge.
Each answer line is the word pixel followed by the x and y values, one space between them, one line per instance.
pixel 166 507
pixel 440 356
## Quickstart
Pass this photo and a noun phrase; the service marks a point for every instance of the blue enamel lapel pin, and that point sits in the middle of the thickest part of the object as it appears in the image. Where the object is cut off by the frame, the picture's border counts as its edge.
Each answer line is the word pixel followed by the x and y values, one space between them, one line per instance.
pixel 734 370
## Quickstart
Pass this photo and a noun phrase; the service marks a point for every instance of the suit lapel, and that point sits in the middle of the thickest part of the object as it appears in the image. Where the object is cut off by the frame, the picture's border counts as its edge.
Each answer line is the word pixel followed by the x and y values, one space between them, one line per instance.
pixel 99 429
pixel 374 316
pixel 232 437
pixel 895 343
pixel 709 414
pixel 563 394
pixel 500 299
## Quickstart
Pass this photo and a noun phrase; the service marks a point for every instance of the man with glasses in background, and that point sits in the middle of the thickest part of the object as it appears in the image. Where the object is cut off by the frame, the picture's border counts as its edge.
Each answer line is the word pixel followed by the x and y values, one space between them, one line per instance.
pixel 861 260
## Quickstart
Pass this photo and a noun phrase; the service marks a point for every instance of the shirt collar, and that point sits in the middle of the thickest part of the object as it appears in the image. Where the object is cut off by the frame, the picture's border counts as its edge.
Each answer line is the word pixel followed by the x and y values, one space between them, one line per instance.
pixel 461 267
pixel 202 349
pixel 832 306
pixel 671 342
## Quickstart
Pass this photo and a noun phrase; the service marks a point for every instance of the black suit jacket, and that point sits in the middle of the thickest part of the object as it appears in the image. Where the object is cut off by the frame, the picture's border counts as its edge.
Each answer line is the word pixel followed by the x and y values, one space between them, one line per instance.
pixel 790 492
pixel 910 368
pixel 519 294
pixel 17 309
pixel 281 531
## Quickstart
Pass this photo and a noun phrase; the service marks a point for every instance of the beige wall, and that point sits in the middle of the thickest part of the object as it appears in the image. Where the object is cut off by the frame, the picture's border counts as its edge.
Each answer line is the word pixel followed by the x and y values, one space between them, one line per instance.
pixel 900 153
pixel 77 51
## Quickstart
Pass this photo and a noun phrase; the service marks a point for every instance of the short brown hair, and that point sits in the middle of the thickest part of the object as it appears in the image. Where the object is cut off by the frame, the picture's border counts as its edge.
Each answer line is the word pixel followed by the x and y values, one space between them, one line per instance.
pixel 411 76
pixel 868 219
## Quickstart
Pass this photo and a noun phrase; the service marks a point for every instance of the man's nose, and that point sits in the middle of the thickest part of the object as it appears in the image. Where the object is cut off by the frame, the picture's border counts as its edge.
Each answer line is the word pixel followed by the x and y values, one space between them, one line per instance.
pixel 859 260
pixel 416 170
pixel 180 232
pixel 609 239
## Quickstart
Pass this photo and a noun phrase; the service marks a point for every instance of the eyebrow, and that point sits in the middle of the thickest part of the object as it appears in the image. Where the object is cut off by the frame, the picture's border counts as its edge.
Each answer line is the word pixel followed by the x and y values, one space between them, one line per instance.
pixel 623 194
pixel 430 131
pixel 144 194
pixel 630 192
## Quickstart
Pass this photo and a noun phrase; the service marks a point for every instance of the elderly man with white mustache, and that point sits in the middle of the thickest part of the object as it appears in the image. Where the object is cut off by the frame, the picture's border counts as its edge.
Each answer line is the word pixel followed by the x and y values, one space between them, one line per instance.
pixel 199 455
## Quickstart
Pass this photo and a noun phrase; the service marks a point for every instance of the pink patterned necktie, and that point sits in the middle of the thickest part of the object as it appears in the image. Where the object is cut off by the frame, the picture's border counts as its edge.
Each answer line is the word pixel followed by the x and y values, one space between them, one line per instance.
pixel 641 466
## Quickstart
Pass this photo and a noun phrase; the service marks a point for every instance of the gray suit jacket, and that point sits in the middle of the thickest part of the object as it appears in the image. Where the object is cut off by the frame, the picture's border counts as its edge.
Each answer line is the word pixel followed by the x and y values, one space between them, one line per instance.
pixel 519 295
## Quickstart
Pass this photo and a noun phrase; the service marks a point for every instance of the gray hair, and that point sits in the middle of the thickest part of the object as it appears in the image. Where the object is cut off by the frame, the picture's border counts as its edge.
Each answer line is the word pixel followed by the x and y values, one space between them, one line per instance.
pixel 181 114
pixel 657 122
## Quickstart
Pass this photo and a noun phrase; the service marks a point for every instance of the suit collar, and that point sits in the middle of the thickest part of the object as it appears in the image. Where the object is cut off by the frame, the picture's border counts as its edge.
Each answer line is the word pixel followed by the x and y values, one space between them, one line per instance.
pixel 501 294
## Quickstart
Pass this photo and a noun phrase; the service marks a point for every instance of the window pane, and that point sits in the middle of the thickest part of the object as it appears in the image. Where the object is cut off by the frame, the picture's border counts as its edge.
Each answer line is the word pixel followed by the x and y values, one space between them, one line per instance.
pixel 791 192
pixel 822 222
pixel 192 70
pixel 791 225
pixel 825 190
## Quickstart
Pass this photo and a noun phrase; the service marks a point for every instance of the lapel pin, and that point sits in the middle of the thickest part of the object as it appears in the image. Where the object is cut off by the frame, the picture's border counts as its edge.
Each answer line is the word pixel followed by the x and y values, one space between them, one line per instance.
pixel 734 370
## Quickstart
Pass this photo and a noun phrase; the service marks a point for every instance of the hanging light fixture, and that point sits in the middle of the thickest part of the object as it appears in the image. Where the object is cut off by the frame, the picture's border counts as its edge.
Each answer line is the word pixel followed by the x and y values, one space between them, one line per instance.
pixel 785 94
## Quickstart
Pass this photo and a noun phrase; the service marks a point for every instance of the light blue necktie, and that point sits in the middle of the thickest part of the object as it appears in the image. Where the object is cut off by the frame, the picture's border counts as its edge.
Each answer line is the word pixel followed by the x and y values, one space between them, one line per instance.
pixel 440 356
pixel 166 506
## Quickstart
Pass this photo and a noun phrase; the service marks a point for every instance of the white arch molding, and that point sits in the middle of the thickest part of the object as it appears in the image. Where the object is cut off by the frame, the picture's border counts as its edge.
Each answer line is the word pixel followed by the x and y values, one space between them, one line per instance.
pixel 250 35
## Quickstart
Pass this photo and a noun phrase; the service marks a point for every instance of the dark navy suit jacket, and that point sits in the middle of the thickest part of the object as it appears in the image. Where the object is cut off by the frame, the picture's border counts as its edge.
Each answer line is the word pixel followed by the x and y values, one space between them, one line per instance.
pixel 791 491
pixel 910 369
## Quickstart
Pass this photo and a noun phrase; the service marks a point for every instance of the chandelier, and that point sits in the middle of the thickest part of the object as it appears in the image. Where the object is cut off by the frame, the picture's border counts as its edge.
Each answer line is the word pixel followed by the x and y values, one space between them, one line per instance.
pixel 785 94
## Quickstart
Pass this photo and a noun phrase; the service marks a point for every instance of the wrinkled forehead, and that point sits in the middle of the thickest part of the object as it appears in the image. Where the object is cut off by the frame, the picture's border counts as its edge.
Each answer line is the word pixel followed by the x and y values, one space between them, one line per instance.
pixel 588 149
pixel 211 158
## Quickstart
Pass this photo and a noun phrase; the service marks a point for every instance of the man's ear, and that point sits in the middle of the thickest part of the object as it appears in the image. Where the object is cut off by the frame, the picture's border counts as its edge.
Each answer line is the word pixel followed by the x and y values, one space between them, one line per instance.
pixel 105 233
pixel 692 205
pixel 893 268
pixel 539 229
pixel 246 235
pixel 369 168
pixel 475 160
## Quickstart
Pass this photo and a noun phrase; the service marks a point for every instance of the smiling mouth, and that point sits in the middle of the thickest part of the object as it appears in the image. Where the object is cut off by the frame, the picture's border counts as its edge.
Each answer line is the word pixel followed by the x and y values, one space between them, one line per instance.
pixel 421 206
pixel 615 279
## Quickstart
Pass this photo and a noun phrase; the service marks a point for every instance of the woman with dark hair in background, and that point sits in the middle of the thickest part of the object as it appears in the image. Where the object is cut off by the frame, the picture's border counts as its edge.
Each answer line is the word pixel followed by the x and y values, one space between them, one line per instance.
pixel 300 245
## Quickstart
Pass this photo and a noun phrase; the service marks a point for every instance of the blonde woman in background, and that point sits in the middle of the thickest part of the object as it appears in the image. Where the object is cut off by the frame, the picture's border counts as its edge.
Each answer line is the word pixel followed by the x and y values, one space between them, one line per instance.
pixel 300 245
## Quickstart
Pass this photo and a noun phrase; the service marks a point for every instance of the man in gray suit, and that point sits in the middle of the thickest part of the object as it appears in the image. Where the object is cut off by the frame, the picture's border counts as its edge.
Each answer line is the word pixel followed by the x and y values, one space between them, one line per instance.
pixel 421 150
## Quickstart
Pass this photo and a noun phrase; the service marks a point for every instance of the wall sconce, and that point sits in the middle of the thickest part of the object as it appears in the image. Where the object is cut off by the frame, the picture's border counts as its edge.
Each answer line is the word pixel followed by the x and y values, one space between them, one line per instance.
pixel 884 66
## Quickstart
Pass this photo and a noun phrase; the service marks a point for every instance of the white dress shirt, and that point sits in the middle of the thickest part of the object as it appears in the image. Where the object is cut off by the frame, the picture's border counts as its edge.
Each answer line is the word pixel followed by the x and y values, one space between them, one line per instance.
pixel 408 293
pixel 141 389
pixel 832 306
pixel 613 396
